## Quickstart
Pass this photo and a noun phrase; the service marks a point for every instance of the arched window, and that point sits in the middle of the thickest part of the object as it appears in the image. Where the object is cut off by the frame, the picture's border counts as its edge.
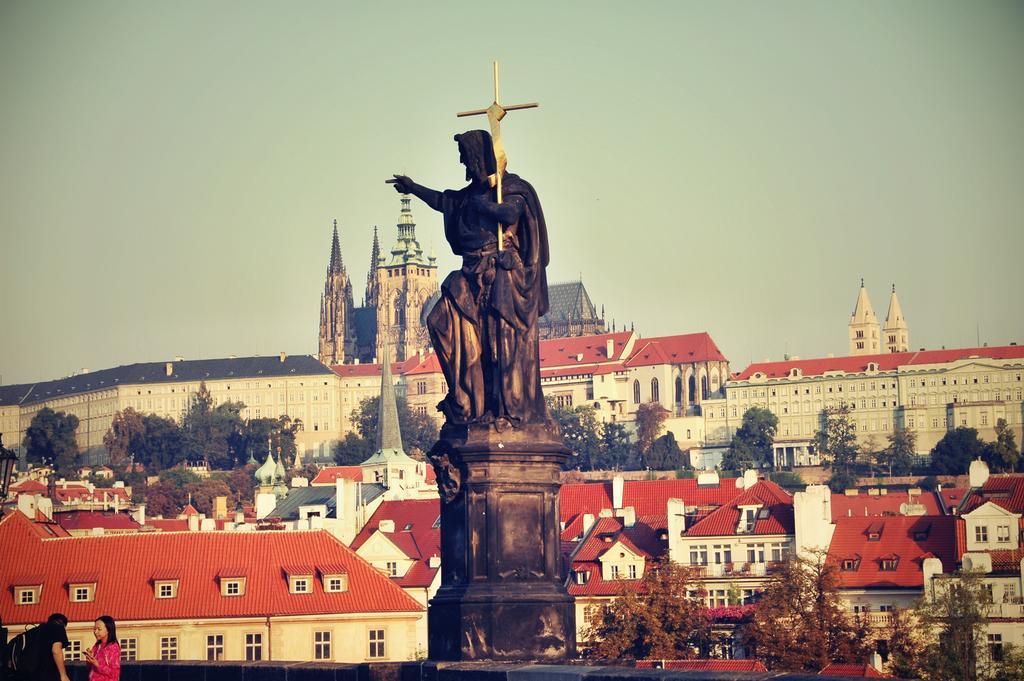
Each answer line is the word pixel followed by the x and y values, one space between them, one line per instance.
pixel 636 392
pixel 692 389
pixel 703 387
pixel 655 395
pixel 679 390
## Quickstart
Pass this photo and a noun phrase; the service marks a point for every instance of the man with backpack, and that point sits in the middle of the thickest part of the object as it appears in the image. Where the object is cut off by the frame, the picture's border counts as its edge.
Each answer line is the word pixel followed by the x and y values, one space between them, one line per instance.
pixel 38 654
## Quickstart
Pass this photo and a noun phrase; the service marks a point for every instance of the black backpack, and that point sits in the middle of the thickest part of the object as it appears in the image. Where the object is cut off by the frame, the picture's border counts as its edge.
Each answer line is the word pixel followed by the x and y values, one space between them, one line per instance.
pixel 24 654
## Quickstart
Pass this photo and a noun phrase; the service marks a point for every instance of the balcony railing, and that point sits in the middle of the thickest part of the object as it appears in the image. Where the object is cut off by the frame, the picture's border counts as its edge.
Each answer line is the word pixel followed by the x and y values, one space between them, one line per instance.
pixel 736 569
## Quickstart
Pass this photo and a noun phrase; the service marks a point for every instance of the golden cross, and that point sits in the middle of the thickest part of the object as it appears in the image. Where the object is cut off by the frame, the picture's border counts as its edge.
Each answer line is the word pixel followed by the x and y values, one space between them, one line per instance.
pixel 495 112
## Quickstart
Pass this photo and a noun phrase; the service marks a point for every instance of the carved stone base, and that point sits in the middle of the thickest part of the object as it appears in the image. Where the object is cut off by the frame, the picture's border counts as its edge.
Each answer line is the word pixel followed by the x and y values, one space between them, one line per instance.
pixel 502 594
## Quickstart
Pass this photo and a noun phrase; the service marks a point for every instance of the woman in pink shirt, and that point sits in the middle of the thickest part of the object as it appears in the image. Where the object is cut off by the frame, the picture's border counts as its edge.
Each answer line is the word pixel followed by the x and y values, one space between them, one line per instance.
pixel 104 658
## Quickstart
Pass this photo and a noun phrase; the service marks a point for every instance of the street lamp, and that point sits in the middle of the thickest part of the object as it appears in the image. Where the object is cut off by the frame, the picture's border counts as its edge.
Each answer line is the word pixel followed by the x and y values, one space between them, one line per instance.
pixel 8 460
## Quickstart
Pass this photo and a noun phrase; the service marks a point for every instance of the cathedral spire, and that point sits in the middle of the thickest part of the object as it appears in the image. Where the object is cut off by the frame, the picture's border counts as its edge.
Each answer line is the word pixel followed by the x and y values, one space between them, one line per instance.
pixel 336 263
pixel 389 435
pixel 864 329
pixel 897 333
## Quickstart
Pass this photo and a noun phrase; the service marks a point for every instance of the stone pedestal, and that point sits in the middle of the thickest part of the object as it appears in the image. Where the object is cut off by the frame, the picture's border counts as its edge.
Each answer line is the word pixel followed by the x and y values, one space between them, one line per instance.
pixel 502 594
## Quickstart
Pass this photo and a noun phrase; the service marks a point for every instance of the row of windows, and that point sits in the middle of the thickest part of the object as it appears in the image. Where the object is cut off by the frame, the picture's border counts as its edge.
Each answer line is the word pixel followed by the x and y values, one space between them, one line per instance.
pixel 1002 534
pixel 721 554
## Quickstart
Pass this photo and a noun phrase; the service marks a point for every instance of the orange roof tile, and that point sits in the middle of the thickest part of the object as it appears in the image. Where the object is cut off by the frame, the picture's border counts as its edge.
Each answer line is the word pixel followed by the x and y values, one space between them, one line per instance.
pixel 705 665
pixel 863 505
pixel 725 520
pixel 647 497
pixel 910 539
pixel 127 562
pixel 415 535
pixel 678 349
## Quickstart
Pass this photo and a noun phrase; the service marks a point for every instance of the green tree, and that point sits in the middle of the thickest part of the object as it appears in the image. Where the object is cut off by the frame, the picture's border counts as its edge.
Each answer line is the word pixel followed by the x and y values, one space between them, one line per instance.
pixel 837 437
pixel 899 455
pixel 664 454
pixel 123 436
pixel 50 439
pixel 905 640
pixel 242 484
pixel 163 444
pixel 419 431
pixel 752 443
pixel 952 455
pixel 662 616
pixel 581 434
pixel 614 449
pixel 800 623
pixel 255 435
pixel 352 450
pixel 204 492
pixel 162 499
pixel 212 430
pixel 1002 455
pixel 956 617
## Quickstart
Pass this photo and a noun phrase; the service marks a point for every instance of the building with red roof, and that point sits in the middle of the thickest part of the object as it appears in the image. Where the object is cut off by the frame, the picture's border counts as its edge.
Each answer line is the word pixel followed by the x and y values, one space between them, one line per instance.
pixel 851 669
pixel 81 523
pixel 928 391
pixel 883 502
pixel 209 595
pixel 704 665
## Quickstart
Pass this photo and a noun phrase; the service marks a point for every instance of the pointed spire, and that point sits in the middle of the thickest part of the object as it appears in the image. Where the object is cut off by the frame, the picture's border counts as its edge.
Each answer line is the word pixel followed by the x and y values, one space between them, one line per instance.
pixel 389 435
pixel 336 264
pixel 897 332
pixel 374 251
pixel 863 312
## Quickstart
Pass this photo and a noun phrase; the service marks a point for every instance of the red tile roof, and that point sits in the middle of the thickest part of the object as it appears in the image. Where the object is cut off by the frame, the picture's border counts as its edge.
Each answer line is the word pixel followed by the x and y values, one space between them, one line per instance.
pixel 851 669
pixel 643 539
pixel 647 497
pixel 330 474
pixel 414 535
pixel 886 362
pixel 126 562
pixel 562 352
pixel 705 665
pixel 87 520
pixel 1003 490
pixel 909 539
pixel 28 486
pixel 679 349
pixel 864 505
pixel 766 494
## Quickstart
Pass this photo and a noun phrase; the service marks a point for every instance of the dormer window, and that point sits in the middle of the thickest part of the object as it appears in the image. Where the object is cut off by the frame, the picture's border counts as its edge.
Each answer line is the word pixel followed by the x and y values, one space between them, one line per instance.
pixel 300 579
pixel 27 595
pixel 981 534
pixel 82 593
pixel 850 564
pixel 581 576
pixel 300 585
pixel 748 519
pixel 889 564
pixel 167 588
pixel 234 586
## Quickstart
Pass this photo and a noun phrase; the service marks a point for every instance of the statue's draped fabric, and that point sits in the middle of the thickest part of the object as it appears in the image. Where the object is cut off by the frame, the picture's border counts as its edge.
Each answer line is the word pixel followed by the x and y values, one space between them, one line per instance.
pixel 484 328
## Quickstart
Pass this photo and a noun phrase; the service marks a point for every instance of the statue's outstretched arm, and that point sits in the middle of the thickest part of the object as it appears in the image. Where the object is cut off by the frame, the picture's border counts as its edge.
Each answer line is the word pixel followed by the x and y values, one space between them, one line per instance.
pixel 405 185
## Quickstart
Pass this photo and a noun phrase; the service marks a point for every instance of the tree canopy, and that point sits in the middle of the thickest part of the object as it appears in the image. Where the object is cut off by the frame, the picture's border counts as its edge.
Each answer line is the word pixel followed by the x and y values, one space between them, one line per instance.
pixel 752 443
pixel 50 439
pixel 899 455
pixel 952 455
pixel 1002 456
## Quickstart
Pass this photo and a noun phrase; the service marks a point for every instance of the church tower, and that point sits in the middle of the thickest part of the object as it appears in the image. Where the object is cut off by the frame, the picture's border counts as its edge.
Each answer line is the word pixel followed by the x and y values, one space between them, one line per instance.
pixel 897 333
pixel 337 337
pixel 864 327
pixel 405 281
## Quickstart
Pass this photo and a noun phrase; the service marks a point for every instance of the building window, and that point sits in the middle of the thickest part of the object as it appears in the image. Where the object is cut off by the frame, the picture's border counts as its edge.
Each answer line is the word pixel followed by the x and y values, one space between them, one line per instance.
pixel 1002 533
pixel 995 647
pixel 129 649
pixel 981 534
pixel 300 585
pixel 722 553
pixel 253 647
pixel 655 394
pixel 755 553
pixel 81 594
pixel 888 564
pixel 27 596
pixel 321 645
pixel 778 552
pixel 376 641
pixel 166 589
pixel 421 389
pixel 699 555
pixel 615 572
pixel 631 572
pixel 168 647
pixel 215 647
pixel 337 584
pixel 391 568
pixel 73 652
pixel 849 564
pixel 636 391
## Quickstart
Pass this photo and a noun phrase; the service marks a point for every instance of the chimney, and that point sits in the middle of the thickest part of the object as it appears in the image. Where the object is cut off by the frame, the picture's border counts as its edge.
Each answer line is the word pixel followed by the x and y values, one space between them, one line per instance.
pixel 387 526
pixel 45 506
pixel 676 528
pixel 610 348
pixel 169 368
pixel 617 485
pixel 220 508
pixel 588 522
pixel 282 357
pixel 27 505
pixel 140 514
pixel 628 516
pixel 193 523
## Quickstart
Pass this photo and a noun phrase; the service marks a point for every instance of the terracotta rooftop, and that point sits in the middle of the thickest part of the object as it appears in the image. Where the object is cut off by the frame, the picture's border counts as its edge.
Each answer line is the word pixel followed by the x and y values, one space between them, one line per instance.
pixel 415 535
pixel 906 539
pixel 125 564
pixel 775 515
pixel 863 505
pixel 647 497
pixel 679 349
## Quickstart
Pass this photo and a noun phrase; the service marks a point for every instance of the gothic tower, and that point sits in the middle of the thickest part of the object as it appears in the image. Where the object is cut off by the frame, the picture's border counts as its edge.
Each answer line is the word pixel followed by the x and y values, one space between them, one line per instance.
pixel 897 333
pixel 864 328
pixel 405 281
pixel 337 337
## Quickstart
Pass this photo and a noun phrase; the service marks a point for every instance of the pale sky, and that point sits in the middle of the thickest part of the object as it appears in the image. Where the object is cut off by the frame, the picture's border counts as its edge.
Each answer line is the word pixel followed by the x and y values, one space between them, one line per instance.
pixel 169 171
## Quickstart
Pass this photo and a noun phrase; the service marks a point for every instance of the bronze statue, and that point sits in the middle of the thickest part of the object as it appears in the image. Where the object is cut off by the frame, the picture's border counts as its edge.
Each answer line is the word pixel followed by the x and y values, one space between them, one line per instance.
pixel 484 327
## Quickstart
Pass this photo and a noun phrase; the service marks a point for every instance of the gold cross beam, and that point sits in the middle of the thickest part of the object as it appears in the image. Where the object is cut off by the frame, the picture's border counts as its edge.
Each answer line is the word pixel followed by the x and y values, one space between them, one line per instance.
pixel 495 112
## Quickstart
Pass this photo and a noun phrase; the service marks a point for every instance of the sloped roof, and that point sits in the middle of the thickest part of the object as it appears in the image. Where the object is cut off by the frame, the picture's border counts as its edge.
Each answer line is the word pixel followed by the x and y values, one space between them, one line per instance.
pixel 569 301
pixel 642 538
pixel 886 362
pixel 678 349
pixel 85 520
pixel 725 519
pixel 899 539
pixel 156 373
pixel 288 507
pixel 647 497
pixel 1005 490
pixel 852 669
pixel 125 564
pixel 330 474
pixel 864 505
pixel 562 352
pixel 414 535
pixel 28 486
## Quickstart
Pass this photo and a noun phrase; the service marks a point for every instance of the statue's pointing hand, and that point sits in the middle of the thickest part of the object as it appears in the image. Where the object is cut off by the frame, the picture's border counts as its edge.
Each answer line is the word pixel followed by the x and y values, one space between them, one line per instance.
pixel 403 184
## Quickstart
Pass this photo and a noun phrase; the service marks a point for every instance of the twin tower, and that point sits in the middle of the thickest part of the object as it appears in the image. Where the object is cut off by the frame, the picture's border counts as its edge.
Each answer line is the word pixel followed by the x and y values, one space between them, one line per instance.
pixel 867 338
pixel 401 287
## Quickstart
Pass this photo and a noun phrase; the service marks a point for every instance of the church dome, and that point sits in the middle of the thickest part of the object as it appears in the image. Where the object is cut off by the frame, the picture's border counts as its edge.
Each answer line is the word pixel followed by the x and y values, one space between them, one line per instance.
pixel 265 474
